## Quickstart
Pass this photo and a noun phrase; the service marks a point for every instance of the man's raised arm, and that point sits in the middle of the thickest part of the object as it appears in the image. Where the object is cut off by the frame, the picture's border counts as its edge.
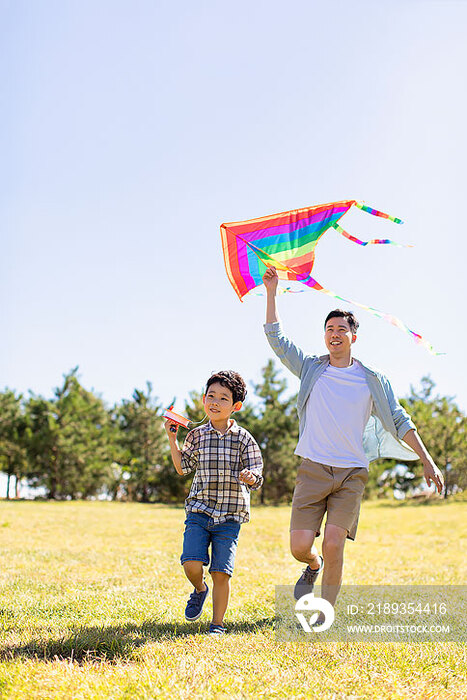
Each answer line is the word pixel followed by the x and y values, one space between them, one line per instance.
pixel 287 352
pixel 270 279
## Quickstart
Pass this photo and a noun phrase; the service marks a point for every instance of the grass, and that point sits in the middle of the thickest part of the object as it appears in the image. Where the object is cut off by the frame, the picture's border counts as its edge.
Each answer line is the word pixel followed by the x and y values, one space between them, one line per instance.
pixel 92 598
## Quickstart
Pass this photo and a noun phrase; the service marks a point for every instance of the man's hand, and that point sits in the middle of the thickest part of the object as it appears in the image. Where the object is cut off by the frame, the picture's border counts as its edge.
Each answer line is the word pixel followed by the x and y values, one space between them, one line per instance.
pixel 246 476
pixel 430 471
pixel 433 475
pixel 270 279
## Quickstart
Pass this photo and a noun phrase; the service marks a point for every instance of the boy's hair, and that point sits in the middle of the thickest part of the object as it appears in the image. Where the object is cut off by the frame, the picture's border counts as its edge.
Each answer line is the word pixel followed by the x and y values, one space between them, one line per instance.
pixel 231 380
pixel 348 315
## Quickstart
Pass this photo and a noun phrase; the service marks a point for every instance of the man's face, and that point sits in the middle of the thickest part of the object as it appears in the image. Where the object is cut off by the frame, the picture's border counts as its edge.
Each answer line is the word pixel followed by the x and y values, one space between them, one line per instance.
pixel 338 336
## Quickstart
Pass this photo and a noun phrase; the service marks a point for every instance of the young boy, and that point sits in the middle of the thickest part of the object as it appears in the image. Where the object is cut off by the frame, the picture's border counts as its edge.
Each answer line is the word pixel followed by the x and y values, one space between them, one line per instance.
pixel 228 464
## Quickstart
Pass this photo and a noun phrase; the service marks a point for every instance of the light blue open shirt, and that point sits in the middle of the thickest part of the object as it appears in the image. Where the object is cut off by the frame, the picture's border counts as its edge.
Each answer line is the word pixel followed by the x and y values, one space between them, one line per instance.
pixel 388 422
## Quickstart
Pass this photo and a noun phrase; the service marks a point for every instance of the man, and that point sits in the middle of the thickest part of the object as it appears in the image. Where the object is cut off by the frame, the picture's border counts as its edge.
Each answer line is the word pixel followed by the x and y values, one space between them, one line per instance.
pixel 348 416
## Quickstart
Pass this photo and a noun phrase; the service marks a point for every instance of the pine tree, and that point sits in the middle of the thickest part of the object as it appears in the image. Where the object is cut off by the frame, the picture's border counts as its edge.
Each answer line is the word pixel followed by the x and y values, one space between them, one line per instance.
pixel 275 427
pixel 13 428
pixel 144 443
pixel 70 446
pixel 442 426
pixel 43 445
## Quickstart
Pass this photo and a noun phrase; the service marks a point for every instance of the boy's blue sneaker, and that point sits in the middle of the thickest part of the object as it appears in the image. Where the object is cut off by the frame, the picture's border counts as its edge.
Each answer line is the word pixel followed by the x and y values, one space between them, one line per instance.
pixel 306 582
pixel 216 629
pixel 194 606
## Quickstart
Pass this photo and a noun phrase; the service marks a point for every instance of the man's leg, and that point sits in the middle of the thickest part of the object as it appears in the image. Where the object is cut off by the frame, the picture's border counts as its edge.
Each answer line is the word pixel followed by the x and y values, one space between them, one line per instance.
pixel 333 555
pixel 303 549
pixel 312 487
pixel 308 508
pixel 343 506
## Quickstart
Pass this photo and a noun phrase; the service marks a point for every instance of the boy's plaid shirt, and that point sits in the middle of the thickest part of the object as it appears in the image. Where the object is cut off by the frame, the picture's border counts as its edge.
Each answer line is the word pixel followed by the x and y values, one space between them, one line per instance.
pixel 218 459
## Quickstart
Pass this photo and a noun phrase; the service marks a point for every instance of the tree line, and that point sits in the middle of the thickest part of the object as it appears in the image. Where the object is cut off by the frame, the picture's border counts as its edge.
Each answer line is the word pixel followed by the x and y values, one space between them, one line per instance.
pixel 75 447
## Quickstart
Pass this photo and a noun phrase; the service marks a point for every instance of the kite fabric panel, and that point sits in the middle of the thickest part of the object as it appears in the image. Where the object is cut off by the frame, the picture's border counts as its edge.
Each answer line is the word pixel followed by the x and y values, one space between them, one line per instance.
pixel 287 241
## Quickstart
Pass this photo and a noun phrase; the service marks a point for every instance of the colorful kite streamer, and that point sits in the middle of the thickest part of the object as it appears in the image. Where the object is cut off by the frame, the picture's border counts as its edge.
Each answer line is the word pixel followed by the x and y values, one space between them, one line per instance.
pixel 287 241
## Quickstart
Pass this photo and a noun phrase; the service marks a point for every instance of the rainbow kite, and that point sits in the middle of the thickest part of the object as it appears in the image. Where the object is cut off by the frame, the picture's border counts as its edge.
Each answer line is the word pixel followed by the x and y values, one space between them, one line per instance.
pixel 287 241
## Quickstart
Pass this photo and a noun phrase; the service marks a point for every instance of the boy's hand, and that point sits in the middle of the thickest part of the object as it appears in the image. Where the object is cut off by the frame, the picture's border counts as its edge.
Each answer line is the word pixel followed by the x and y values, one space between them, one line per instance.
pixel 171 428
pixel 246 476
pixel 270 279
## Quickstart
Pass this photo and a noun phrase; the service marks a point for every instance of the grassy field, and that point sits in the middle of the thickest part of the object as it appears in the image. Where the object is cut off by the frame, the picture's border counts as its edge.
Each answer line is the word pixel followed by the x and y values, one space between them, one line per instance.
pixel 92 598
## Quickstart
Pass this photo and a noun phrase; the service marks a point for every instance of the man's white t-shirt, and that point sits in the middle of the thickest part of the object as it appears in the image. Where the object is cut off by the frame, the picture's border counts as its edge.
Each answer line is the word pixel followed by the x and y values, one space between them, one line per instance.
pixel 336 414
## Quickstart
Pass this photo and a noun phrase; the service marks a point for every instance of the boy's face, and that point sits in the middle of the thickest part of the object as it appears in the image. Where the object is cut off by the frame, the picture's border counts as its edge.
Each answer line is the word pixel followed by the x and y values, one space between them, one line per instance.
pixel 218 403
pixel 338 336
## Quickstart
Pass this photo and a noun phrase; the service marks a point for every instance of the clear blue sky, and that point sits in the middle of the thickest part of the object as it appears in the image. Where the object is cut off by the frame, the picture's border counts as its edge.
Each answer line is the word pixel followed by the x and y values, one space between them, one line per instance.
pixel 131 130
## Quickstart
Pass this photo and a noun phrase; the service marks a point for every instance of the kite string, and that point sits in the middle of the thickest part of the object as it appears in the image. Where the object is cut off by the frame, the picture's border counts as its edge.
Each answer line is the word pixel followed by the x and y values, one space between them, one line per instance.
pixel 379 314
pixel 310 282
pixel 313 284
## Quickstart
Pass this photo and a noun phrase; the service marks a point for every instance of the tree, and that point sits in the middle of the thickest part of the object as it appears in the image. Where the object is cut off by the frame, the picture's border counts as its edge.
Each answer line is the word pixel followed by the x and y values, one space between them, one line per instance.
pixel 69 446
pixel 144 443
pixel 374 487
pixel 442 426
pixel 275 427
pixel 43 445
pixel 13 428
pixel 397 479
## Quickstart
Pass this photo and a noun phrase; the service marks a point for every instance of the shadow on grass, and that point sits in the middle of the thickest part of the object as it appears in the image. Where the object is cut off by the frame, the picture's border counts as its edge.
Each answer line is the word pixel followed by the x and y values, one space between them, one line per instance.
pixel 115 642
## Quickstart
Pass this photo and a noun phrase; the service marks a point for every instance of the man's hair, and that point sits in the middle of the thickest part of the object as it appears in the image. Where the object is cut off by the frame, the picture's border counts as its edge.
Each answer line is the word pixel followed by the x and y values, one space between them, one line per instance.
pixel 348 315
pixel 231 380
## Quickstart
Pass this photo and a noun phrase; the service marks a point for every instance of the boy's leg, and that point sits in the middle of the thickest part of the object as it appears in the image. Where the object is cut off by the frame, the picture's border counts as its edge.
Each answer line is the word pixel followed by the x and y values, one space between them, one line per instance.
pixel 194 606
pixel 220 596
pixel 196 539
pixel 195 553
pixel 224 546
pixel 194 573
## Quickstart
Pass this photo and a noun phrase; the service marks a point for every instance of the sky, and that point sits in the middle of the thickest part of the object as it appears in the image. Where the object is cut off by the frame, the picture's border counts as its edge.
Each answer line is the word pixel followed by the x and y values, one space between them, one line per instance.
pixel 131 130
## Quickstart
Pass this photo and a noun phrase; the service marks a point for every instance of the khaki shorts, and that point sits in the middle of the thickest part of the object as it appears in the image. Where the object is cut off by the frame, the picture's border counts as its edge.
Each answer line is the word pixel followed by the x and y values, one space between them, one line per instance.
pixel 335 490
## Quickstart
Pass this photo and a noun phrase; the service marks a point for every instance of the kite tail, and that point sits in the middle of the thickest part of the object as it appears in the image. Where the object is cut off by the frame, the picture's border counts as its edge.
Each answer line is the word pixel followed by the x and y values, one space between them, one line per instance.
pixel 386 241
pixel 310 282
pixel 375 212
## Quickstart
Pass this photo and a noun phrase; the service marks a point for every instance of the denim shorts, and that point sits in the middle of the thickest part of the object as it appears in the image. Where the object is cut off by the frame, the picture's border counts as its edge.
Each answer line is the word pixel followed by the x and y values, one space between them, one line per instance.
pixel 200 532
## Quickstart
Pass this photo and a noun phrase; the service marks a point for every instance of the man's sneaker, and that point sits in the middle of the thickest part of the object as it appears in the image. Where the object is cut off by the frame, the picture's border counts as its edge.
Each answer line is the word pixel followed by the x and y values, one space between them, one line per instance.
pixel 194 606
pixel 216 629
pixel 318 622
pixel 306 582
